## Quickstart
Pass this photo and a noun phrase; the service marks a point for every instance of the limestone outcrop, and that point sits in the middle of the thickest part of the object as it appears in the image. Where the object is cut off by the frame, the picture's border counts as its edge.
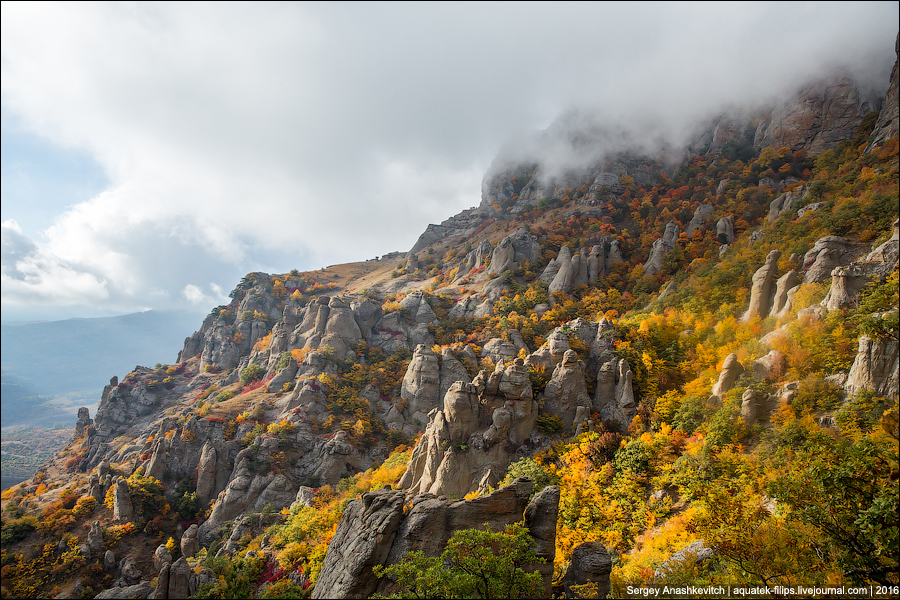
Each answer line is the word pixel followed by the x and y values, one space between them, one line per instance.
pixel 374 531
pixel 513 251
pixel 661 248
pixel 590 563
pixel 122 508
pixel 818 117
pixel 566 391
pixel 731 371
pixel 875 367
pixel 564 279
pixel 614 398
pixel 725 230
pixel 469 442
pixel 701 215
pixel 826 254
pixel 847 281
pixel 421 385
pixel 888 124
pixel 781 301
pixel 763 288
pixel 785 201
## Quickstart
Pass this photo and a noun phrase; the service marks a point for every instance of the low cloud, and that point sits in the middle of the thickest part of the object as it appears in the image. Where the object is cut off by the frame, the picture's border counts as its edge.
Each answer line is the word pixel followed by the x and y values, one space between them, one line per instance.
pixel 277 136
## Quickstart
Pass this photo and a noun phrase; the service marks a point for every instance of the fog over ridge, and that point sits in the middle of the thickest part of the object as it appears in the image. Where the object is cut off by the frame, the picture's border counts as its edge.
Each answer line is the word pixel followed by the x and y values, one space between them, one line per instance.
pixel 278 136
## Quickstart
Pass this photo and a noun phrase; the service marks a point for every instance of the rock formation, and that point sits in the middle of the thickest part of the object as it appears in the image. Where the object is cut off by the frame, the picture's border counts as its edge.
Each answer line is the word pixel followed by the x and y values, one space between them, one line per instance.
pixel 614 398
pixel 701 215
pixel 725 230
pixel 818 118
pixel 661 248
pixel 590 564
pixel 875 367
pixel 731 372
pixel 763 287
pixel 888 124
pixel 513 251
pixel 827 253
pixel 566 390
pixel 785 201
pixel 781 301
pixel 374 531
pixel 122 508
pixel 190 544
pixel 468 443
pixel 847 281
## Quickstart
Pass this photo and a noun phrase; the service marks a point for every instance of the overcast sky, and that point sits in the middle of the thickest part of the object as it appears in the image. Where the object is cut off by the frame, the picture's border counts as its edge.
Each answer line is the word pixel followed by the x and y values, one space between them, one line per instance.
pixel 152 154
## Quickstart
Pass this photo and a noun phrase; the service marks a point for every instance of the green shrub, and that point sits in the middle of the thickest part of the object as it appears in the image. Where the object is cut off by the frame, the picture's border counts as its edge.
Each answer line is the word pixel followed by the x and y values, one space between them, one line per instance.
pixel 549 424
pixel 252 373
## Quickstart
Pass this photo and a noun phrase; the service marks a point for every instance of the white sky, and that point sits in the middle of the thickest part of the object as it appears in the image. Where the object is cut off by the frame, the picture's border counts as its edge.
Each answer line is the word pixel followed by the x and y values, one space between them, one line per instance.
pixel 155 153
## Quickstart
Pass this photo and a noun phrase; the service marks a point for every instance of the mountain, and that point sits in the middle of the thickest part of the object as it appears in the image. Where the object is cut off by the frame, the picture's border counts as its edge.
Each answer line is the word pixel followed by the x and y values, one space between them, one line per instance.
pixel 67 363
pixel 664 366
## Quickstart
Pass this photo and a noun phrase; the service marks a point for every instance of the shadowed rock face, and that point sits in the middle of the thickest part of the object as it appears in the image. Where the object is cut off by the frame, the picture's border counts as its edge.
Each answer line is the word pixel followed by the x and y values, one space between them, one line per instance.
pixel 819 117
pixel 590 564
pixel 375 531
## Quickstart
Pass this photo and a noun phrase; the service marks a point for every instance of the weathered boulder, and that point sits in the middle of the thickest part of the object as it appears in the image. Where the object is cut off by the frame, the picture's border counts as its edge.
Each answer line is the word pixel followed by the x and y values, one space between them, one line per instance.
pixel 614 397
pixel 780 302
pixel 190 542
pixel 550 353
pixel 826 254
pixel 363 539
pixel 661 248
pixel 770 367
pixel 725 230
pixel 540 519
pixel 696 552
pixel 161 557
pixel 179 579
pixel 461 450
pixel 785 201
pixel 750 406
pixel 84 419
pixel 421 385
pixel 374 531
pixel 95 539
pixel 762 289
pixel 566 390
pixel 122 508
pixel 590 564
pixel 513 251
pixel 875 367
pixel 701 215
pixel 615 253
pixel 564 279
pixel 596 262
pixel 452 370
pixel 499 350
pixel 161 592
pixel 138 590
pixel 415 304
pixel 206 473
pixel 846 282
pixel 731 372
pixel 109 562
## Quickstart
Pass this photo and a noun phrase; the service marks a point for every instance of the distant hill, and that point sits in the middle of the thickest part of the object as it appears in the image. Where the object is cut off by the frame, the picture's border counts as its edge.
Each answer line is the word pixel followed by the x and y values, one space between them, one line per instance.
pixel 51 368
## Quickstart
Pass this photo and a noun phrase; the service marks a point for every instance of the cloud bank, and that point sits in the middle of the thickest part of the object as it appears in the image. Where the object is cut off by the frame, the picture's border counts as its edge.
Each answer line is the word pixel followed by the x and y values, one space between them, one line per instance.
pixel 243 137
